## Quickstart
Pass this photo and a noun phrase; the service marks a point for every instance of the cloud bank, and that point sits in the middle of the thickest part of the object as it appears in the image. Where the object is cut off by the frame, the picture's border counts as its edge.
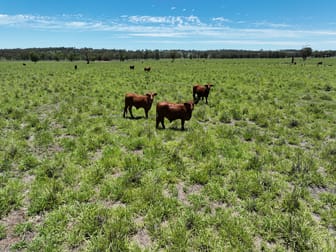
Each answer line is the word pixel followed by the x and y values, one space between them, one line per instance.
pixel 216 31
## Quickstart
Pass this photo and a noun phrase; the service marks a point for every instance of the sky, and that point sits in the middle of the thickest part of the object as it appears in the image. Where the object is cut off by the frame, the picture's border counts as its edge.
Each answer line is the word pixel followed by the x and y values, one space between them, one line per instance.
pixel 169 24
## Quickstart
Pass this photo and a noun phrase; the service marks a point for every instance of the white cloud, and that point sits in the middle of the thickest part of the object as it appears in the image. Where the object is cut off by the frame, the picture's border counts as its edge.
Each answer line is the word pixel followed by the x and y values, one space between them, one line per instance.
pixel 221 19
pixel 170 20
pixel 272 25
pixel 219 30
pixel 77 24
pixel 18 19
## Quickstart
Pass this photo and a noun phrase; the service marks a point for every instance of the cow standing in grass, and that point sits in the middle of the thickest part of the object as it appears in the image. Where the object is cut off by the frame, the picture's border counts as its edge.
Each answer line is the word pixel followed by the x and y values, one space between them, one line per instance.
pixel 173 111
pixel 138 101
pixel 201 91
pixel 147 69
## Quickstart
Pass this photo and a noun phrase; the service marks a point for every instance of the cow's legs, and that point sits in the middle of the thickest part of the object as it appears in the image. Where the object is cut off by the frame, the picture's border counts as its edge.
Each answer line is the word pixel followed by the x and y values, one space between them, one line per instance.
pixel 146 112
pixel 159 120
pixel 125 111
pixel 182 124
pixel 130 110
pixel 194 95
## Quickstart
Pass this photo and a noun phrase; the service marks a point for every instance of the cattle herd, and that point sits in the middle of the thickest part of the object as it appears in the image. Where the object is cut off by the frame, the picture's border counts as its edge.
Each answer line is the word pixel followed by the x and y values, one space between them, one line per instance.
pixel 171 111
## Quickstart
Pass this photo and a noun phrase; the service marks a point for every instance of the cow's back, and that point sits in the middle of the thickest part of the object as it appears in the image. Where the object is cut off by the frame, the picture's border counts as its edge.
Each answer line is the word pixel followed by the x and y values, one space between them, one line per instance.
pixel 171 111
pixel 135 99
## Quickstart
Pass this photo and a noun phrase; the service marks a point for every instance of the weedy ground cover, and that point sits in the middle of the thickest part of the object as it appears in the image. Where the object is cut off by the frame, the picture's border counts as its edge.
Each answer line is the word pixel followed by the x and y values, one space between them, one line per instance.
pixel 254 169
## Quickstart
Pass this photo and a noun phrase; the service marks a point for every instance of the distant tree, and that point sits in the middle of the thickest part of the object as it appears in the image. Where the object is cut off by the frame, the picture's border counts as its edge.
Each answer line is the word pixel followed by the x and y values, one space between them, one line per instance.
pixel 173 55
pixel 146 54
pixel 306 52
pixel 87 58
pixel 71 56
pixel 157 54
pixel 34 57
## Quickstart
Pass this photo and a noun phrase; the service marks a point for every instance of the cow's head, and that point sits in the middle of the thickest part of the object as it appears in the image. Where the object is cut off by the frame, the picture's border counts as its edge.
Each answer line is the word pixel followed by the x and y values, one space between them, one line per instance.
pixel 208 86
pixel 150 97
pixel 189 108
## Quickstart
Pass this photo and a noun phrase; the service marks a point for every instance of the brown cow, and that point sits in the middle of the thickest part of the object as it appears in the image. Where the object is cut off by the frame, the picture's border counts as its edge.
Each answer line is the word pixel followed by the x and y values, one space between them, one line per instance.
pixel 147 69
pixel 173 111
pixel 201 91
pixel 138 101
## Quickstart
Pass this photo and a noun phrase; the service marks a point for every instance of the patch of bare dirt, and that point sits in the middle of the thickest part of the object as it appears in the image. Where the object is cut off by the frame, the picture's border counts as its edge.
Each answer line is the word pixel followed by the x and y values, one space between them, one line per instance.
pixel 183 192
pixel 9 222
pixel 19 216
pixel 138 152
pixel 142 238
pixel 181 195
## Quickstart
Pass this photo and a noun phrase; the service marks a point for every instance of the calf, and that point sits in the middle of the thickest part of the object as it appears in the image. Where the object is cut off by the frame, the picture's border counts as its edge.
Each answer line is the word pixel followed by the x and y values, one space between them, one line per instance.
pixel 173 111
pixel 201 91
pixel 138 101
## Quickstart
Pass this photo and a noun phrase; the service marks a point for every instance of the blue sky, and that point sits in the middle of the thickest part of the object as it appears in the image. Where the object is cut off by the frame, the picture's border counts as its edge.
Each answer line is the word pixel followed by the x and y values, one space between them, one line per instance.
pixel 169 24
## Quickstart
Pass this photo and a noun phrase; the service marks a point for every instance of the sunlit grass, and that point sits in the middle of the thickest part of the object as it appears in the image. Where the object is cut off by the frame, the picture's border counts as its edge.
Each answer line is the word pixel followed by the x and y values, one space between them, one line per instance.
pixel 254 170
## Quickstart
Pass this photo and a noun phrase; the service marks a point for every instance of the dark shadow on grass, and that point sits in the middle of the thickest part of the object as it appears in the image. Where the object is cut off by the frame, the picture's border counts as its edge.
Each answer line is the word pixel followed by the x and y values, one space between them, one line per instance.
pixel 173 129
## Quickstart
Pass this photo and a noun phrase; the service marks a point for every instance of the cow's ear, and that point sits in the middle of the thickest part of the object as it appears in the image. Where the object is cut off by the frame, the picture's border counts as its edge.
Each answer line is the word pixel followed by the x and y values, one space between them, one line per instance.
pixel 147 94
pixel 155 94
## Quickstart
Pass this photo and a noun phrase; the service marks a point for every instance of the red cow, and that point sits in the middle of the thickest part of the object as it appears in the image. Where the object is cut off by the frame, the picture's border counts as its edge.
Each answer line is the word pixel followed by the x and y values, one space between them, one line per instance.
pixel 173 111
pixel 201 91
pixel 138 101
pixel 147 69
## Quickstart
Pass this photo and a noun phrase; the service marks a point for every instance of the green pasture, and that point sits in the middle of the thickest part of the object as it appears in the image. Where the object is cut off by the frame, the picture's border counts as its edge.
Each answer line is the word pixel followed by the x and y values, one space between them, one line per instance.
pixel 254 170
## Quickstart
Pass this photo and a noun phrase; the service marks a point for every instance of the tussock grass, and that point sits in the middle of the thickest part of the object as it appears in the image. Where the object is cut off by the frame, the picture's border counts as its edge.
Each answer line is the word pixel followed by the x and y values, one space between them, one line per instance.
pixel 254 170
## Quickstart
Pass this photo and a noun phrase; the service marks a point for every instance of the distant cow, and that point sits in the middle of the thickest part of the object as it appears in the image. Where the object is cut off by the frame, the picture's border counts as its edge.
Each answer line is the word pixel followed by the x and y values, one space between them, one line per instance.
pixel 138 101
pixel 201 91
pixel 173 111
pixel 319 63
pixel 23 64
pixel 147 69
pixel 75 67
pixel 131 67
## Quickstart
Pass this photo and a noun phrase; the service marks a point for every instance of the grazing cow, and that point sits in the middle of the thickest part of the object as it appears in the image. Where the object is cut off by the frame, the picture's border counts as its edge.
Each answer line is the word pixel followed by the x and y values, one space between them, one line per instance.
pixel 138 101
pixel 173 111
pixel 147 69
pixel 201 91
pixel 319 63
pixel 131 67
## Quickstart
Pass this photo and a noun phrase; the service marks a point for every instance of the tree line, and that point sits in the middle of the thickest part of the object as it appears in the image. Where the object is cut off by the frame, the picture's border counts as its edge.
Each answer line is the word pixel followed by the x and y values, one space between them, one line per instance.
pixel 89 54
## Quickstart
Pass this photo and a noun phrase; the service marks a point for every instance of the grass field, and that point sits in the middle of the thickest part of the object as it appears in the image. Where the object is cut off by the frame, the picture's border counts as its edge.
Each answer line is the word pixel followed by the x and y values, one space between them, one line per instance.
pixel 254 170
